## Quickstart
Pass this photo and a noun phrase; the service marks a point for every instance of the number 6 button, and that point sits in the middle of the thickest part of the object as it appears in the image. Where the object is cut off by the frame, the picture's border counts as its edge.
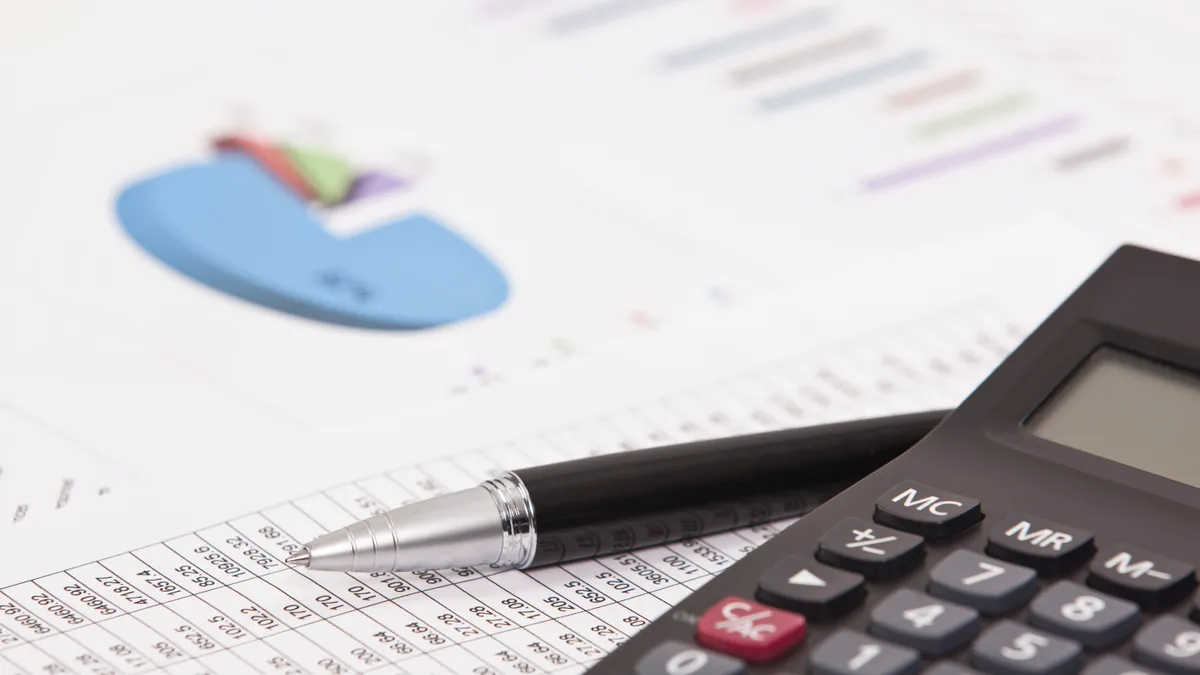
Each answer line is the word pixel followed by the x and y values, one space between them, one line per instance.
pixel 1008 648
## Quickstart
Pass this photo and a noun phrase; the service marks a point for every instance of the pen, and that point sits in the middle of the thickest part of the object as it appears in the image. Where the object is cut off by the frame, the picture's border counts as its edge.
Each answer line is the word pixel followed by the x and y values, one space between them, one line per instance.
pixel 610 503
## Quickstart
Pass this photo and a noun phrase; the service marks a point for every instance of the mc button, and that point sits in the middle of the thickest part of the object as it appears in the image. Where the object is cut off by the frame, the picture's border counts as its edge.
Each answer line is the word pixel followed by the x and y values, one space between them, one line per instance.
pixel 1046 546
pixel 928 511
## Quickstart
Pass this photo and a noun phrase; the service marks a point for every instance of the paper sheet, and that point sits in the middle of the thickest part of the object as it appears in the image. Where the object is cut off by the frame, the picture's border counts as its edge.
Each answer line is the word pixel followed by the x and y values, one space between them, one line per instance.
pixel 211 596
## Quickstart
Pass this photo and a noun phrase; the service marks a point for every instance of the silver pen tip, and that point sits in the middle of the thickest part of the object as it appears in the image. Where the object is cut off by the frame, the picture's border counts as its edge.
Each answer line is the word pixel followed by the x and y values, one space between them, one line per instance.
pixel 299 558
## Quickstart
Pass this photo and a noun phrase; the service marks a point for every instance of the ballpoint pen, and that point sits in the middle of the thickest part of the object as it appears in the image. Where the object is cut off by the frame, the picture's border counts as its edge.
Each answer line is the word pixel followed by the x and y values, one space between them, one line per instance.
pixel 610 503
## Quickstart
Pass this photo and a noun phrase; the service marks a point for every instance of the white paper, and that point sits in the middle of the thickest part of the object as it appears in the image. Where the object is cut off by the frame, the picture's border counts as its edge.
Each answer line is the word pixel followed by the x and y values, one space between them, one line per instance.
pixel 215 598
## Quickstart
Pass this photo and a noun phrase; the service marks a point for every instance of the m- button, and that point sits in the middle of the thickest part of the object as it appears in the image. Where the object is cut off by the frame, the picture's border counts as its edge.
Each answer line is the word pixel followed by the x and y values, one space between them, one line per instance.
pixel 928 511
pixel 1046 546
pixel 1151 580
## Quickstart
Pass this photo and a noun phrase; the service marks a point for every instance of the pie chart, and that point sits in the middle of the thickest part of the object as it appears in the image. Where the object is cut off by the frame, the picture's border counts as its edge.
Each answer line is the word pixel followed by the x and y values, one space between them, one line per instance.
pixel 246 222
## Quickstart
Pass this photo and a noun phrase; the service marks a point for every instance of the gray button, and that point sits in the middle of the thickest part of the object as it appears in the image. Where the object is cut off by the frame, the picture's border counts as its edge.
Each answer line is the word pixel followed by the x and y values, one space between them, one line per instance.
pixel 989 585
pixel 680 658
pixel 1115 665
pixel 949 668
pixel 1080 613
pixel 848 652
pixel 1170 644
pixel 1009 648
pixel 933 627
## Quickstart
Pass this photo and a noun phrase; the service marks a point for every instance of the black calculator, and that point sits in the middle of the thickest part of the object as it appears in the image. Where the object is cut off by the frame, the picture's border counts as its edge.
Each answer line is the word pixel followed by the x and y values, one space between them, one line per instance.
pixel 1049 526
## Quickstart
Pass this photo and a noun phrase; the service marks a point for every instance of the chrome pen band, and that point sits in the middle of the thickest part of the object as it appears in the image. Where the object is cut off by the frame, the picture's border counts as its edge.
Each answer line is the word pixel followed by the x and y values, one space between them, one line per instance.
pixel 516 520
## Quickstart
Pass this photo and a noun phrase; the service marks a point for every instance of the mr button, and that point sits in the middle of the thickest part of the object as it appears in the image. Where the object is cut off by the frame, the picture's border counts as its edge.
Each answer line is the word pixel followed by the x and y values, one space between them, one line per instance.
pixel 1046 546
pixel 928 511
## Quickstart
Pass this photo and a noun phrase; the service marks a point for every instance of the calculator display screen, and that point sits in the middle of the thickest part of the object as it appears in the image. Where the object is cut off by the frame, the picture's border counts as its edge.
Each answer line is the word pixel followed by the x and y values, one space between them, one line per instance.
pixel 1128 409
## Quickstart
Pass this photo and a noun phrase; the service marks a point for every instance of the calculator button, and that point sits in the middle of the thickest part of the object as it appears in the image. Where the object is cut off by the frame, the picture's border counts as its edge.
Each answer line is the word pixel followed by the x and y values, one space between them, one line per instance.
pixel 1169 644
pixel 928 511
pixel 1115 665
pixel 1080 613
pixel 872 550
pixel 817 591
pixel 675 658
pixel 949 668
pixel 750 631
pixel 1151 580
pixel 849 652
pixel 989 585
pixel 1009 648
pixel 932 627
pixel 1046 546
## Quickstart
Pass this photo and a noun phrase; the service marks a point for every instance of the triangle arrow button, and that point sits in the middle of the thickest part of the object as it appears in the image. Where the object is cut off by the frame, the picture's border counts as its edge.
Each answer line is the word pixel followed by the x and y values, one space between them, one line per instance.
pixel 806 578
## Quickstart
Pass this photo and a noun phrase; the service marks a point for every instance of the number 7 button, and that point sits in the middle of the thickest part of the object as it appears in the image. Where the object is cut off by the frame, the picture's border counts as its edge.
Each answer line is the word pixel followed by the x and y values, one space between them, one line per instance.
pixel 989 585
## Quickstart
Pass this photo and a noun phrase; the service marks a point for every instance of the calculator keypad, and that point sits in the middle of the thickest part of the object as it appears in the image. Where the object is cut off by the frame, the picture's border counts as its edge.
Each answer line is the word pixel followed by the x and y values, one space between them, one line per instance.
pixel 989 585
pixel 1151 580
pixel 995 612
pixel 1009 648
pixel 1080 613
pixel 871 550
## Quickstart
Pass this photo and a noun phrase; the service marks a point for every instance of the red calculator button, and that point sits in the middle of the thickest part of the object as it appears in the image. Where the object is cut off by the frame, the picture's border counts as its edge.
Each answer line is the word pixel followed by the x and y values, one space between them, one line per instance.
pixel 749 630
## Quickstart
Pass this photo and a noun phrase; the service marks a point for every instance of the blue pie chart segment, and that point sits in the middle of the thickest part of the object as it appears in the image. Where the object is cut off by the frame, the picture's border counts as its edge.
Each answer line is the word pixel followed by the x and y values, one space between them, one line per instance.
pixel 229 224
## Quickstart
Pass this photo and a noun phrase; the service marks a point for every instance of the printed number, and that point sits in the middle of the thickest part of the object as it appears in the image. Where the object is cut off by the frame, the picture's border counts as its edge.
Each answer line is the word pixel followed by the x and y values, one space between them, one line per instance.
pixel 1083 608
pixel 687 662
pixel 864 656
pixel 921 617
pixel 1186 644
pixel 1025 647
pixel 990 571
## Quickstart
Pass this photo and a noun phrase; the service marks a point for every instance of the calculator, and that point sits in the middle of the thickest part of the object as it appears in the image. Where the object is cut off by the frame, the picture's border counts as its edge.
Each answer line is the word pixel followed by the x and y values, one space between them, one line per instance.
pixel 1050 525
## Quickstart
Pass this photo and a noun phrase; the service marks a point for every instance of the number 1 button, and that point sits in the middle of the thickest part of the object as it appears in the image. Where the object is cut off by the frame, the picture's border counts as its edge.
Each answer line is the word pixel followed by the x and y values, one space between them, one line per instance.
pixel 848 652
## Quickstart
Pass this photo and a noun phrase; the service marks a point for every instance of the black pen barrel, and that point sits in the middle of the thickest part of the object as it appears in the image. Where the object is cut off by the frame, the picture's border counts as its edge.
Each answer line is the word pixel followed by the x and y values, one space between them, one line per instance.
pixel 578 493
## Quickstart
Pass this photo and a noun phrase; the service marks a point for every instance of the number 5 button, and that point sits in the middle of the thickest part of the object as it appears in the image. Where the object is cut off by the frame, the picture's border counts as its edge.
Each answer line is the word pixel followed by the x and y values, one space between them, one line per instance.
pixel 1008 648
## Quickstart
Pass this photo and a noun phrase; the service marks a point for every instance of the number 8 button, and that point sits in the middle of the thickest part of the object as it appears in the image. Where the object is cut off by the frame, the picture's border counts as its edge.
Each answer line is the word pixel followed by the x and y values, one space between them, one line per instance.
pixel 1095 619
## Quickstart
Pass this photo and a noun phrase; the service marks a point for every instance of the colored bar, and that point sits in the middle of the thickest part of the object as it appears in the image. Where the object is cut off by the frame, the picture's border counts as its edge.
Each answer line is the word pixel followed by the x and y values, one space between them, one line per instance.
pixel 271 159
pixel 602 13
pixel 1188 201
pixel 972 155
pixel 740 41
pixel 962 119
pixel 328 175
pixel 1093 153
pixel 841 83
pixel 799 58
pixel 936 89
